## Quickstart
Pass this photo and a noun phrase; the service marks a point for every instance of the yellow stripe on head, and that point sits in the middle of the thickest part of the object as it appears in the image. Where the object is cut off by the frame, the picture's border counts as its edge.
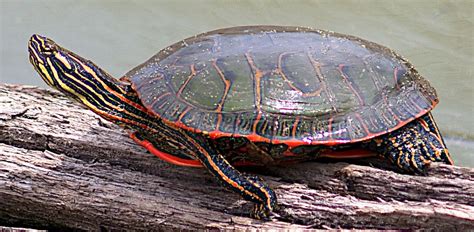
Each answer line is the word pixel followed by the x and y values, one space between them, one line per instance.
pixel 86 82
pixel 45 74
pixel 63 60
pixel 34 53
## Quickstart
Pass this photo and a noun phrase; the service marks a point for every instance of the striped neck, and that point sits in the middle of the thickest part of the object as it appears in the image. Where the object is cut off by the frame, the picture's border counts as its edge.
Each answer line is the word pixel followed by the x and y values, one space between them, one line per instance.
pixel 85 82
pixel 62 69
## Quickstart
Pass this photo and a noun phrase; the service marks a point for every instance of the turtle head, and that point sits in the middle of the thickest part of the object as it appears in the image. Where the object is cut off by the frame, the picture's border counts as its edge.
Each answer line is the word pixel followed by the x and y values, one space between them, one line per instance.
pixel 49 60
pixel 61 68
pixel 42 45
pixel 80 79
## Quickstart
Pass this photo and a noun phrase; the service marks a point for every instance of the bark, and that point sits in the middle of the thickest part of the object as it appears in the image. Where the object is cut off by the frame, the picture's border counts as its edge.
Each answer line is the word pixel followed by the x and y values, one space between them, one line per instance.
pixel 63 167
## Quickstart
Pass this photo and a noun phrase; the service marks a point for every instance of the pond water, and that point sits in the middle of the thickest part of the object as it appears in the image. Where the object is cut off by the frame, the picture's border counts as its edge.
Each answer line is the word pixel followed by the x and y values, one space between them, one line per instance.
pixel 436 36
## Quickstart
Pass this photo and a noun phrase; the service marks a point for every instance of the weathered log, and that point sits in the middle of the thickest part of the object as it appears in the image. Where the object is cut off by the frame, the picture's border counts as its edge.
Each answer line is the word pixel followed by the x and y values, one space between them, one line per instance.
pixel 63 167
pixel 15 229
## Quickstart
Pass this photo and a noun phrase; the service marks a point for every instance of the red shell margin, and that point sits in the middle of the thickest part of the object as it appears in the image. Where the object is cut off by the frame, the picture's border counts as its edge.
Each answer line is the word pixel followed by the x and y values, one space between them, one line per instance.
pixel 289 142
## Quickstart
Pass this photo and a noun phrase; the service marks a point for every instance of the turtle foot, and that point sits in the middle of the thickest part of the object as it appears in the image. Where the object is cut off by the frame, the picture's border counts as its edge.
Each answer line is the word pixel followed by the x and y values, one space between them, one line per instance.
pixel 260 212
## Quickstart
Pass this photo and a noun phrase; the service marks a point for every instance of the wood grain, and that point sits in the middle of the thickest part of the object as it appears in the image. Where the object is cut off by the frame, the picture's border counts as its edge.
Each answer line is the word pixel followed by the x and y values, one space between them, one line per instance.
pixel 63 167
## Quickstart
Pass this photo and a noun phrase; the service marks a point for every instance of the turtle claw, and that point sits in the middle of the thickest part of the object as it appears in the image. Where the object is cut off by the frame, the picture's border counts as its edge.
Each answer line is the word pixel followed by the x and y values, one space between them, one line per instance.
pixel 260 212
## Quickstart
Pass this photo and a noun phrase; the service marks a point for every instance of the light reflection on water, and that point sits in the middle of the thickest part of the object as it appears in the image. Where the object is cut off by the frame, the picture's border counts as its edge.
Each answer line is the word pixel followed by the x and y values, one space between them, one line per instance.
pixel 436 36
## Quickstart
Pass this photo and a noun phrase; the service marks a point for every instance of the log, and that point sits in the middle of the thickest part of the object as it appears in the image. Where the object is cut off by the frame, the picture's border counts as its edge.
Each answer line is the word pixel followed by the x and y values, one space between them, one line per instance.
pixel 63 167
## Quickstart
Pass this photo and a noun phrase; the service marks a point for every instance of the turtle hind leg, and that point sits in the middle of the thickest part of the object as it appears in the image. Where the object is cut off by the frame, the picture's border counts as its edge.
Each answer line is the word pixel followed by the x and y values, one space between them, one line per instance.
pixel 414 146
pixel 428 122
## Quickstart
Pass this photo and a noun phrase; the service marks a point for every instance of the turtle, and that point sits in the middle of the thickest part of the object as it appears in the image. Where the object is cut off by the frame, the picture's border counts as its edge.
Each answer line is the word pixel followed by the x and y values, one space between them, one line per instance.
pixel 260 95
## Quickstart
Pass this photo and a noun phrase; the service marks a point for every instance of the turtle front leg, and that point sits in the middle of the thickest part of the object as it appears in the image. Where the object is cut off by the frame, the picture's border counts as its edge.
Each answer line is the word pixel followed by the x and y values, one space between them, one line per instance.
pixel 414 146
pixel 202 153
pixel 251 188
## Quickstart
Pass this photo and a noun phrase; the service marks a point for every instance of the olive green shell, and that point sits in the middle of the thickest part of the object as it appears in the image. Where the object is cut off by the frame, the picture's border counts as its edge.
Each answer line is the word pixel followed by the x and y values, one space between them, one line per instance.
pixel 281 84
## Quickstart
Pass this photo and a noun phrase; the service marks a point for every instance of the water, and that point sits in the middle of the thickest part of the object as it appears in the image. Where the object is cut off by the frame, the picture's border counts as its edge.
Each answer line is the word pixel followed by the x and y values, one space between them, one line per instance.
pixel 436 36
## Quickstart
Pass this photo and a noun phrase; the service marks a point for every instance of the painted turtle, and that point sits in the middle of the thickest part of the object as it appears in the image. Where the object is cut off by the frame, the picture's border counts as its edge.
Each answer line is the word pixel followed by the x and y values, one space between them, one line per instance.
pixel 260 95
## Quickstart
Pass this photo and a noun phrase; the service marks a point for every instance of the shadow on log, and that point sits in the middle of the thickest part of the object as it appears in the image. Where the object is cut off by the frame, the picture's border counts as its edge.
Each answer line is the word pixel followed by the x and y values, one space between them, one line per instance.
pixel 63 167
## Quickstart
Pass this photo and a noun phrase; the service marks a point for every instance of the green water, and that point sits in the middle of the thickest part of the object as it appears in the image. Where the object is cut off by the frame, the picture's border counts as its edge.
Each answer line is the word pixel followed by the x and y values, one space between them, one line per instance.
pixel 436 36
